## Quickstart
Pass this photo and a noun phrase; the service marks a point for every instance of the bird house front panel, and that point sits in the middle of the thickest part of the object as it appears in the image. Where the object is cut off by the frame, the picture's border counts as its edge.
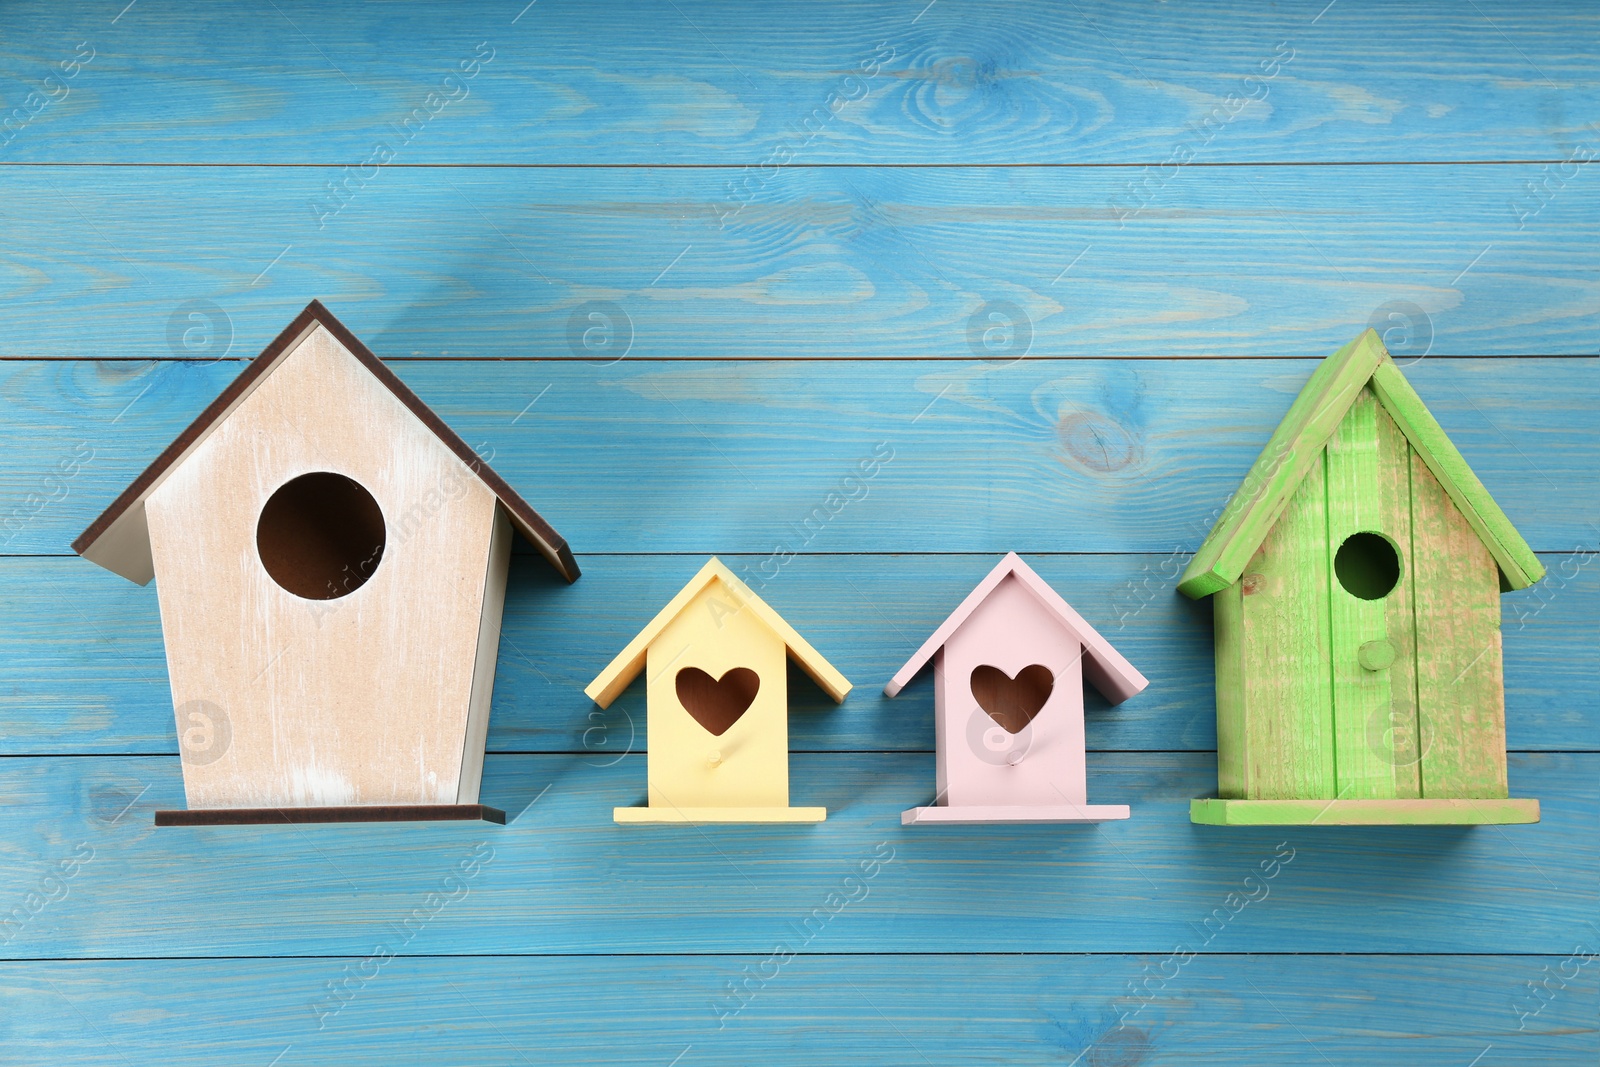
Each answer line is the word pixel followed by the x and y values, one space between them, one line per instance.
pixel 718 707
pixel 1011 705
pixel 322 562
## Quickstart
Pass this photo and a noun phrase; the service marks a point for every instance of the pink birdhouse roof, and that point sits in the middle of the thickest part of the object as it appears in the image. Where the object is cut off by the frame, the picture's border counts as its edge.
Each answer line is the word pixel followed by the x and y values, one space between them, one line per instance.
pixel 1103 667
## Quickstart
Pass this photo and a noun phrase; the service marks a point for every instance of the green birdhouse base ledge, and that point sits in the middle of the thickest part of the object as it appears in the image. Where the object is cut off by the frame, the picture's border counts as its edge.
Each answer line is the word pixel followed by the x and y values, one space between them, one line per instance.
pixel 1426 812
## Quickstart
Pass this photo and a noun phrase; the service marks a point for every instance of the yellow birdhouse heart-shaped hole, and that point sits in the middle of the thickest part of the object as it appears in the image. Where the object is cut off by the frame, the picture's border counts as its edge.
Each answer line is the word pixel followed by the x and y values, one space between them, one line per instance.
pixel 717 703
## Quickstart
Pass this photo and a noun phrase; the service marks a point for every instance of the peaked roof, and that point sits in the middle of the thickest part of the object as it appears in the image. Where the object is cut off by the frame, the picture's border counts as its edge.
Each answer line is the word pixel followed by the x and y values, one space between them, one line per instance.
pixel 1104 667
pixel 119 540
pixel 622 670
pixel 1299 440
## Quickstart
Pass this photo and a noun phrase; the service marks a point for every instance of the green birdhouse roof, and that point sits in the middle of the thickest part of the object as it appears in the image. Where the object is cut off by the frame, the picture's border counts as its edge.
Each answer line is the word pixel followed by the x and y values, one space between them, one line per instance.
pixel 1300 439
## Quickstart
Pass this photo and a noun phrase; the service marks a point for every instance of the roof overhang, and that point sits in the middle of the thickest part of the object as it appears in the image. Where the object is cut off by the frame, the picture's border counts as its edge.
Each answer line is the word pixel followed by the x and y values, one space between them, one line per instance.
pixel 1298 442
pixel 119 540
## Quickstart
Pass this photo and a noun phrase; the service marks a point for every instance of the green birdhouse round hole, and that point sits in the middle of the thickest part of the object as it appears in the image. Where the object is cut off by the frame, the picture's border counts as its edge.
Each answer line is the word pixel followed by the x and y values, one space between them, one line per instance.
pixel 1367 565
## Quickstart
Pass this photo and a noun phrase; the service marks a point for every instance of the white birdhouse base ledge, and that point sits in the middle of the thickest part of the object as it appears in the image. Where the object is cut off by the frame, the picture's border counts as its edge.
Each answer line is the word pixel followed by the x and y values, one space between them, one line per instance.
pixel 353 813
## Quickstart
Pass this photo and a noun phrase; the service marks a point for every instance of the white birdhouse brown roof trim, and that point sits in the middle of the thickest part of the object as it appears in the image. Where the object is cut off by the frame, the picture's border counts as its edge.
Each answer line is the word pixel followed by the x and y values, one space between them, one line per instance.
pixel 119 541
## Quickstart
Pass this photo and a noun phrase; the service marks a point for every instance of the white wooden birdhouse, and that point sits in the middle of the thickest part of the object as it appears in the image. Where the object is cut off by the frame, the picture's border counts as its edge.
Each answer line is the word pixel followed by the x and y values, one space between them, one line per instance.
pixel 718 704
pixel 331 565
pixel 1008 671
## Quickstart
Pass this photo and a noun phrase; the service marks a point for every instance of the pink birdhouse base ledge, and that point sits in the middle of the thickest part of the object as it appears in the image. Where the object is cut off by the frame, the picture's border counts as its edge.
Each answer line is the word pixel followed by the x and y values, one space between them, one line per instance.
pixel 353 813
pixel 974 814
pixel 1426 812
pixel 718 815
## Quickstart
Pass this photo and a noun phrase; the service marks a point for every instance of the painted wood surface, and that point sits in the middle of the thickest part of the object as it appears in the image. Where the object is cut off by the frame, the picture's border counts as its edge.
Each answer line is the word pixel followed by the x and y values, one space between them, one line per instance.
pixel 1010 666
pixel 1040 762
pixel 1293 452
pixel 815 1010
pixel 779 323
pixel 357 698
pixel 1366 811
pixel 109 694
pixel 1142 454
pixel 1449 468
pixel 1374 711
pixel 566 880
pixel 715 661
pixel 1460 703
pixel 835 263
pixel 659 83
pixel 746 765
pixel 1283 744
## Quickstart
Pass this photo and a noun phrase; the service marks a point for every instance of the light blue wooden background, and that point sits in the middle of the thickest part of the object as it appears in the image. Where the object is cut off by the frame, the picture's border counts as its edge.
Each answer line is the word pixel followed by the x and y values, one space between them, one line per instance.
pixel 1426 164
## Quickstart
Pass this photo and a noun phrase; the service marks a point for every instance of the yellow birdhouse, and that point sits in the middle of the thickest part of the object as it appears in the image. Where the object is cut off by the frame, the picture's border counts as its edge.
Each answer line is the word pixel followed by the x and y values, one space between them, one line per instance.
pixel 718 704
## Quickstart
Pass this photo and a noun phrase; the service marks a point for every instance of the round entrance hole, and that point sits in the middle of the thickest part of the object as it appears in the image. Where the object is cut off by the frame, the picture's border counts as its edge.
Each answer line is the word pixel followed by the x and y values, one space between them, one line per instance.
pixel 1367 565
pixel 321 536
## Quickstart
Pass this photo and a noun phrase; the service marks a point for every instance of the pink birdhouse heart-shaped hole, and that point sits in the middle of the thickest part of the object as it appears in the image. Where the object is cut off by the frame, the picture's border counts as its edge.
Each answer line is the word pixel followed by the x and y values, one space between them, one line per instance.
pixel 1012 702
pixel 717 703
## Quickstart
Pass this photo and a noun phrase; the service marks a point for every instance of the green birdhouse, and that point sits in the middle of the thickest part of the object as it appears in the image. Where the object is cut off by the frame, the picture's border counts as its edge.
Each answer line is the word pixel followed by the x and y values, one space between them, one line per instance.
pixel 1355 578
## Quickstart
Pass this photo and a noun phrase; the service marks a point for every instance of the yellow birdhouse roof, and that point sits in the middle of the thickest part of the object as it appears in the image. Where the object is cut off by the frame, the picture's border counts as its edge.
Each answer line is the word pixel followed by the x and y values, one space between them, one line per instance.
pixel 622 670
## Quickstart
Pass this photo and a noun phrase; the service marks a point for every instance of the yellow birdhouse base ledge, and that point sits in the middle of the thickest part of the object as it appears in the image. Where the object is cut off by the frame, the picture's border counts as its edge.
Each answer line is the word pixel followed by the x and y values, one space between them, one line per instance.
pixel 975 814
pixel 700 815
pixel 1427 812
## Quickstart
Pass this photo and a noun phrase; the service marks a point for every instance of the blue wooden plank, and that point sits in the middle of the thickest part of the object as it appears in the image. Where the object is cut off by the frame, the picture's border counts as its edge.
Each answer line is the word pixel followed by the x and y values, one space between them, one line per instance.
pixel 82 668
pixel 1042 456
pixel 812 1009
pixel 877 262
pixel 650 82
pixel 565 879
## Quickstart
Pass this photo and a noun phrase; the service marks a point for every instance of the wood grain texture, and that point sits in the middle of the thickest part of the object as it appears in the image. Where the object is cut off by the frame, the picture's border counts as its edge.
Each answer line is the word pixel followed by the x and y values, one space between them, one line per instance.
pixel 1294 450
pixel 1233 737
pixel 361 698
pixel 1518 568
pixel 878 275
pixel 564 879
pixel 830 263
pixel 1460 703
pixel 109 694
pixel 1374 711
pixel 485 658
pixel 1139 454
pixel 1366 811
pixel 1285 741
pixel 650 83
pixel 814 1010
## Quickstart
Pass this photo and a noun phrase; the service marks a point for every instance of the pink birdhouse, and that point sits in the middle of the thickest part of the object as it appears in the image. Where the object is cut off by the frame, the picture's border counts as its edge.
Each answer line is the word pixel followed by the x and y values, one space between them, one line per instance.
pixel 1008 671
